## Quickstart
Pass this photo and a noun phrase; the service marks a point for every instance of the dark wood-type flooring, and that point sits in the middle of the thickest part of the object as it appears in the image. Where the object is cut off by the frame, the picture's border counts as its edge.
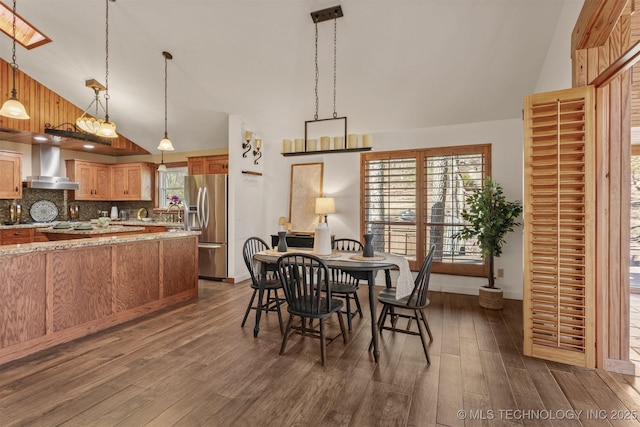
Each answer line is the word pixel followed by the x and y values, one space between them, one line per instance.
pixel 193 365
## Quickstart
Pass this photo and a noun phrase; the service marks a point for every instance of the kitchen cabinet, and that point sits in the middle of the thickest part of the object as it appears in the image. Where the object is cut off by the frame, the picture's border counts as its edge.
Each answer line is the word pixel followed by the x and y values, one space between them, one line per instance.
pixel 94 180
pixel 131 181
pixel 10 175
pixel 99 181
pixel 202 165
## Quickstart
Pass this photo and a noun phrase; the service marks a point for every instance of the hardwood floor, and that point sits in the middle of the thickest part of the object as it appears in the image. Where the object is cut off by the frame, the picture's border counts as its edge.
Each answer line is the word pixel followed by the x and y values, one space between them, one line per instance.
pixel 194 365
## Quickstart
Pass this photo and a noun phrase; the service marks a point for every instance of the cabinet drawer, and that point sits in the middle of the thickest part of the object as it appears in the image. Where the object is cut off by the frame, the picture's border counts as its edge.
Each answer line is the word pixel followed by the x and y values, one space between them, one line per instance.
pixel 16 235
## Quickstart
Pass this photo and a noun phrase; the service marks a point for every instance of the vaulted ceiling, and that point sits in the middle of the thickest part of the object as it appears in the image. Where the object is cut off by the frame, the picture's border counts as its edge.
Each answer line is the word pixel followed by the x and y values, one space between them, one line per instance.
pixel 401 64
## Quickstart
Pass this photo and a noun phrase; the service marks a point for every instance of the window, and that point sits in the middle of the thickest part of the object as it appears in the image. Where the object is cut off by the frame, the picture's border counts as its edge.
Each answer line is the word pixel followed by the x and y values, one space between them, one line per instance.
pixel 171 183
pixel 412 199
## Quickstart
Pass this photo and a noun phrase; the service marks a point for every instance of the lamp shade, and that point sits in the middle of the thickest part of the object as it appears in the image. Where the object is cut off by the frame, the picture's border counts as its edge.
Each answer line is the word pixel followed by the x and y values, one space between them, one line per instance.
pixel 107 130
pixel 325 205
pixel 162 167
pixel 165 145
pixel 14 109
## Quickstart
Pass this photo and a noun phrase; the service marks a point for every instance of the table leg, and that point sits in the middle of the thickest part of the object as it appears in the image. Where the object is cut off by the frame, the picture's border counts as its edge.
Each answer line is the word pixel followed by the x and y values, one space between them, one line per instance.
pixel 263 275
pixel 373 302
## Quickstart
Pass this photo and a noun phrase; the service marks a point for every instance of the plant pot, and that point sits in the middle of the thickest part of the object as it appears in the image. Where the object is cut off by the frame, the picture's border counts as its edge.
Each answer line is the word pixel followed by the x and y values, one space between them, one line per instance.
pixel 491 298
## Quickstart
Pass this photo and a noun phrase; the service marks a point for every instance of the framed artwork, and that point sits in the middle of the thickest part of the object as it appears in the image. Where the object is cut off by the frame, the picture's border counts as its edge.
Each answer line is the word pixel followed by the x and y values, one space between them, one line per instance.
pixel 306 186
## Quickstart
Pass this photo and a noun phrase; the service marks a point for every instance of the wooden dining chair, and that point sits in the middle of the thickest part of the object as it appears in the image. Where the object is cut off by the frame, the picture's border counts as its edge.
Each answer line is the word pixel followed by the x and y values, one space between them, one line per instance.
pixel 302 275
pixel 411 307
pixel 343 284
pixel 272 283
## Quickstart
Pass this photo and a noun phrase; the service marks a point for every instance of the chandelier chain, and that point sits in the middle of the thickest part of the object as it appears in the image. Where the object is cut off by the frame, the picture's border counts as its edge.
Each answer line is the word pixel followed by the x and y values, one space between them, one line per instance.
pixel 14 64
pixel 335 42
pixel 317 74
pixel 165 96
pixel 106 79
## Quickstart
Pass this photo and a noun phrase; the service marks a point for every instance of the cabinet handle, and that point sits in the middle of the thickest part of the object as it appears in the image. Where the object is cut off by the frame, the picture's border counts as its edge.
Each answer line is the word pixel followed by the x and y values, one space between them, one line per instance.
pixel 16 188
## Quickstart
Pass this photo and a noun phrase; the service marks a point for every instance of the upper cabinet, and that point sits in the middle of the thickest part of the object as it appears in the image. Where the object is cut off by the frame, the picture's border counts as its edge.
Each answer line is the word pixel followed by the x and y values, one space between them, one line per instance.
pixel 131 181
pixel 10 175
pixel 94 180
pixel 204 165
pixel 98 181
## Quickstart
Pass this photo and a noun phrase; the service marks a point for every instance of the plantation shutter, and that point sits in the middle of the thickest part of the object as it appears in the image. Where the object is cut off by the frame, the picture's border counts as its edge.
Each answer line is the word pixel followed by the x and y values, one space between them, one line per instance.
pixel 559 229
pixel 389 203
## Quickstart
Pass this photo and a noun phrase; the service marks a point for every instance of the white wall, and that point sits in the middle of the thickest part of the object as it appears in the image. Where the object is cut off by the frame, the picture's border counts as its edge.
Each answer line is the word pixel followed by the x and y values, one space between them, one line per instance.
pixel 556 70
pixel 246 197
pixel 342 181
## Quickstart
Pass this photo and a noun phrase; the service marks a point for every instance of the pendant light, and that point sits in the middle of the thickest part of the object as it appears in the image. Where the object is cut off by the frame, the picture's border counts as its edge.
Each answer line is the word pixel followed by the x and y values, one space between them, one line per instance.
pixel 13 108
pixel 165 143
pixel 162 167
pixel 107 128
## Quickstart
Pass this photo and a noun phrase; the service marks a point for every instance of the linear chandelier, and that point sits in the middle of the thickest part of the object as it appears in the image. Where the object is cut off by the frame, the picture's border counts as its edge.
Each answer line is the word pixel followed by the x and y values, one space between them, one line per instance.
pixel 331 13
pixel 86 122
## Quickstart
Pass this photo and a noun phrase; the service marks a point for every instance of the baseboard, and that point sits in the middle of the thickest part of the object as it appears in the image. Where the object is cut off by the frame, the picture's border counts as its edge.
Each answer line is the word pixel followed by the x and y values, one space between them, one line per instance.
pixel 619 366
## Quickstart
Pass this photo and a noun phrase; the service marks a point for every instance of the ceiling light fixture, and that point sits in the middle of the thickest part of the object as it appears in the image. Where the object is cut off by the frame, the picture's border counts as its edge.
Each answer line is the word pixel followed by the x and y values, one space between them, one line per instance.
pixel 13 108
pixel 162 167
pixel 107 128
pixel 317 17
pixel 86 122
pixel 165 143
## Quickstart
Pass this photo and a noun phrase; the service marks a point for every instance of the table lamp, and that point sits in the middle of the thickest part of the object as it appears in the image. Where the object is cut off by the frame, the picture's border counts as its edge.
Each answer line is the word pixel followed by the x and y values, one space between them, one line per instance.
pixel 324 206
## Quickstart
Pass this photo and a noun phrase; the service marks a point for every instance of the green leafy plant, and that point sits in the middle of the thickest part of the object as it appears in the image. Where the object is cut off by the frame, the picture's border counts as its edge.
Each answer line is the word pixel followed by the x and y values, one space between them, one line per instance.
pixel 489 218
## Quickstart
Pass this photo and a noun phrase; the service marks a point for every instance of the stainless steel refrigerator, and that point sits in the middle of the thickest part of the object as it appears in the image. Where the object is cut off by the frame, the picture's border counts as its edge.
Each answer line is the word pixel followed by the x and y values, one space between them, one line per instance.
pixel 205 199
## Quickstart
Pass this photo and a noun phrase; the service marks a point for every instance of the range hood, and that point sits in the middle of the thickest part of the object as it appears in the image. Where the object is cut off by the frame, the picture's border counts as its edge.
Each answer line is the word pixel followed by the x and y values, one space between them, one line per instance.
pixel 45 166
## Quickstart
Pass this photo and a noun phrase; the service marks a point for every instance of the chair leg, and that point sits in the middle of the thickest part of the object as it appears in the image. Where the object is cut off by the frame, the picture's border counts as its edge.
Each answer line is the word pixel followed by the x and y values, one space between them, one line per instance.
pixel 275 291
pixel 244 319
pixel 323 348
pixel 348 304
pixel 286 335
pixel 344 332
pixel 380 322
pixel 381 319
pixel 426 324
pixel 422 337
pixel 355 298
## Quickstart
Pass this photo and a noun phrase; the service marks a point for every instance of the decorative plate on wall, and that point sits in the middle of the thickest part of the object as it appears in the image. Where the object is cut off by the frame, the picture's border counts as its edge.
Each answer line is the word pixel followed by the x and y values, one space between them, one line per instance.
pixel 43 211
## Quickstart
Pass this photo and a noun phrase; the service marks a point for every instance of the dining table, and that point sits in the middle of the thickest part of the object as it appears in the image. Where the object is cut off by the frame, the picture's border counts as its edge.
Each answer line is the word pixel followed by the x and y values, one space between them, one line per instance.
pixel 353 263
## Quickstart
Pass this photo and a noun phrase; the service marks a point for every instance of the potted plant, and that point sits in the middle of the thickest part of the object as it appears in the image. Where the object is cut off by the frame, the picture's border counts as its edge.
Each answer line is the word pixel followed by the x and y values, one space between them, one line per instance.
pixel 489 218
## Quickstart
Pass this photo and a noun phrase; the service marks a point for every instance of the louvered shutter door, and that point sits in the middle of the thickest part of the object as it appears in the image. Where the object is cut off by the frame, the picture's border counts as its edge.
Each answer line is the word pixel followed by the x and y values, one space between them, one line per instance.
pixel 559 209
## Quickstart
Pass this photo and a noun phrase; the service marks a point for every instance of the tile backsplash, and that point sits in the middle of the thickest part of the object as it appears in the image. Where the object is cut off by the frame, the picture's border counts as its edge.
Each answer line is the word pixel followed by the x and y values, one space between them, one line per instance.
pixel 87 210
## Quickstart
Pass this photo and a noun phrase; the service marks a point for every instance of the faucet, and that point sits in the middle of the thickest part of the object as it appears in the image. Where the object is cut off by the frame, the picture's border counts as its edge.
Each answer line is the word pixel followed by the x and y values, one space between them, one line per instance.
pixel 171 215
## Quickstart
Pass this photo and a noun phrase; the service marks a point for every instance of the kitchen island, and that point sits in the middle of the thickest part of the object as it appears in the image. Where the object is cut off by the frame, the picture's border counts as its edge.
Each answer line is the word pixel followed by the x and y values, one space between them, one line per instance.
pixel 54 292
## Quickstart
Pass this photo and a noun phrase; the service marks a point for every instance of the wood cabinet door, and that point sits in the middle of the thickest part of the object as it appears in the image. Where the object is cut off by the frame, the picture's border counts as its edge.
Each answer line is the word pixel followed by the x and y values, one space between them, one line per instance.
pixel 85 175
pixel 134 182
pixel 216 165
pixel 102 182
pixel 118 182
pixel 195 166
pixel 10 175
pixel 559 304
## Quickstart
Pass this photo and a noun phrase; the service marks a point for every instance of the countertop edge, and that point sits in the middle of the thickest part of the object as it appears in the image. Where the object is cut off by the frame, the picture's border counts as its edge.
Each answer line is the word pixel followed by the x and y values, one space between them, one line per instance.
pixel 25 248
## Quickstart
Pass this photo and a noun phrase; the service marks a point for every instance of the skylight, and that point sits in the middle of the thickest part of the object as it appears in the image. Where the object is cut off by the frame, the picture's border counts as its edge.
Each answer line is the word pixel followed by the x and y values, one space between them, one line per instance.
pixel 26 34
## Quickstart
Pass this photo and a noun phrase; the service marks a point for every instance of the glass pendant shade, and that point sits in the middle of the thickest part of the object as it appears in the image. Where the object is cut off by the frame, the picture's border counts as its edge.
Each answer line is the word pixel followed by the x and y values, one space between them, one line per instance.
pixel 162 168
pixel 89 124
pixel 14 109
pixel 107 130
pixel 165 144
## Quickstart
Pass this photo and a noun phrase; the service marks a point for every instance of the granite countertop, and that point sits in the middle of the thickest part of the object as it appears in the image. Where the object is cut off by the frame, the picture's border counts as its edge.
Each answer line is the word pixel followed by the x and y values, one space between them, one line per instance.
pixel 92 231
pixel 98 241
pixel 153 223
pixel 136 223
